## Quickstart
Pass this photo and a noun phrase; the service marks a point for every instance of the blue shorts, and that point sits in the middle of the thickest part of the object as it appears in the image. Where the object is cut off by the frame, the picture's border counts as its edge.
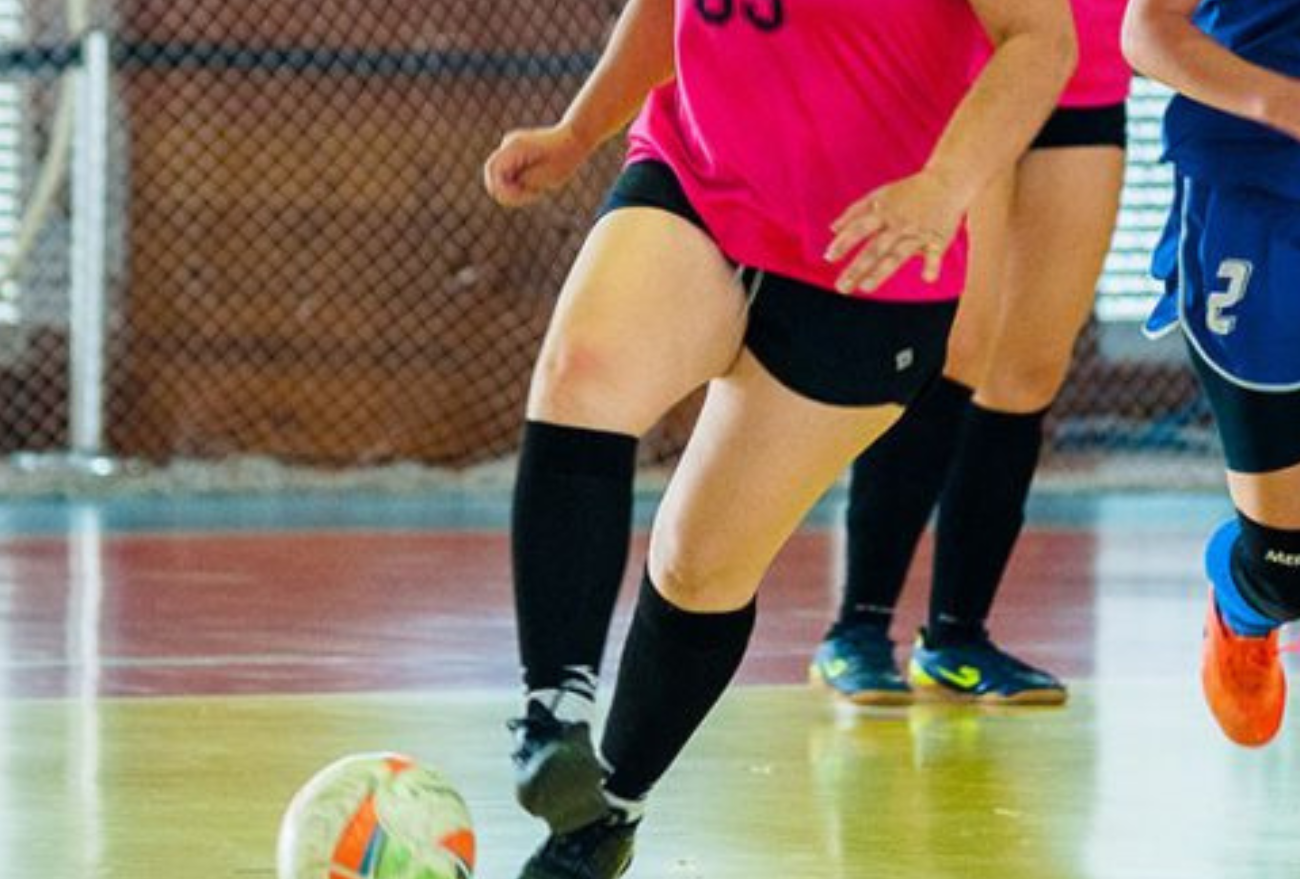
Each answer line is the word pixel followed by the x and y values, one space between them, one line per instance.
pixel 1230 259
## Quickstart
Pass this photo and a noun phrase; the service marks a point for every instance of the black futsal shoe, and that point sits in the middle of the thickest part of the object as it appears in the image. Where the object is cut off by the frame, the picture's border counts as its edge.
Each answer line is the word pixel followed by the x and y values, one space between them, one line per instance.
pixel 600 850
pixel 978 670
pixel 558 776
pixel 857 663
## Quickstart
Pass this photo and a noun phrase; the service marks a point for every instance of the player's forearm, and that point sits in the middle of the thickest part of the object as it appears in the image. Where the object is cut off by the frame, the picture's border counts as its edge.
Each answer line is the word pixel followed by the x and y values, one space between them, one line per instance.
pixel 639 57
pixel 1161 42
pixel 1007 104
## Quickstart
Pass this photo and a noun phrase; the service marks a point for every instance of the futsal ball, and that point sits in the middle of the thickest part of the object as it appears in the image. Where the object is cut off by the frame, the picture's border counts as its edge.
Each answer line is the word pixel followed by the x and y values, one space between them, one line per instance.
pixel 376 816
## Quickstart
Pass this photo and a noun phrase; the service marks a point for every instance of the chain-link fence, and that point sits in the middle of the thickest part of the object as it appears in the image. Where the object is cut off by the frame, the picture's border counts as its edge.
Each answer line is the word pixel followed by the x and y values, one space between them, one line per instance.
pixel 299 263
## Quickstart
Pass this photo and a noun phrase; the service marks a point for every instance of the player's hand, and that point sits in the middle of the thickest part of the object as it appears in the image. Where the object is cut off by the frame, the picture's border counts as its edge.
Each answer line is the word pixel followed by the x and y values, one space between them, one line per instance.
pixel 917 216
pixel 532 162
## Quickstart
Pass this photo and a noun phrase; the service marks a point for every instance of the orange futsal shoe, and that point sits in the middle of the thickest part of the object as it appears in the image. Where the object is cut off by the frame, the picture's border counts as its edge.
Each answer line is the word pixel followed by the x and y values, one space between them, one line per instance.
pixel 1243 681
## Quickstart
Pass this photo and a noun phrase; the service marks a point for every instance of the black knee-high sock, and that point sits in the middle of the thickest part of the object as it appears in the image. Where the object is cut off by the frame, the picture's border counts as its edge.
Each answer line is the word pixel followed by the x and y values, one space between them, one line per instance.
pixel 893 489
pixel 572 520
pixel 980 516
pixel 676 665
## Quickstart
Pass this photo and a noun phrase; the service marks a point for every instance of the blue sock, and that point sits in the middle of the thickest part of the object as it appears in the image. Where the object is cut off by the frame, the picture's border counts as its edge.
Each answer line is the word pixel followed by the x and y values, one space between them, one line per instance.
pixel 1239 616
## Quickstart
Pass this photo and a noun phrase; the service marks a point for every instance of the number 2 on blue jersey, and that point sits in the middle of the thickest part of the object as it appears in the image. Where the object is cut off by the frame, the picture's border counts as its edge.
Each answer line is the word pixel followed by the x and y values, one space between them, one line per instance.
pixel 1237 273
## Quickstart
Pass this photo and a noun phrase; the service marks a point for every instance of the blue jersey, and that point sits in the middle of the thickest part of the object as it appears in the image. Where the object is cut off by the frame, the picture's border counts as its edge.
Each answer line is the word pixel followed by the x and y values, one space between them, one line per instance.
pixel 1217 147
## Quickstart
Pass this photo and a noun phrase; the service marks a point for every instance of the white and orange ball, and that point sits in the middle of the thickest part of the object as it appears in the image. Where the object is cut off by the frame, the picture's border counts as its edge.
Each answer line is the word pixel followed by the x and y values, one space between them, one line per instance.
pixel 376 816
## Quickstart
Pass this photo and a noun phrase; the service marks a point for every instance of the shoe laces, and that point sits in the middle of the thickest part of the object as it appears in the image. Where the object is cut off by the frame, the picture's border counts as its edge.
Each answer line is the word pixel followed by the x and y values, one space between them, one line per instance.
pixel 536 719
pixel 995 659
pixel 1006 660
pixel 534 730
pixel 1256 658
pixel 868 641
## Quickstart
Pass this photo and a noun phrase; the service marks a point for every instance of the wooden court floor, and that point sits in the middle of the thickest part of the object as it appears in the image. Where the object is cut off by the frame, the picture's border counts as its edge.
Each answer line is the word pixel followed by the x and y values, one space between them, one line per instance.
pixel 171 670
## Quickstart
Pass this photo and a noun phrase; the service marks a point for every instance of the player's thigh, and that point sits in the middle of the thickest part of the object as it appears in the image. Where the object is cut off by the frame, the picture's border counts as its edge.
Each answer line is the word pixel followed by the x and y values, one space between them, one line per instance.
pixel 1271 498
pixel 1260 434
pixel 1059 232
pixel 969 346
pixel 650 311
pixel 820 377
pixel 759 458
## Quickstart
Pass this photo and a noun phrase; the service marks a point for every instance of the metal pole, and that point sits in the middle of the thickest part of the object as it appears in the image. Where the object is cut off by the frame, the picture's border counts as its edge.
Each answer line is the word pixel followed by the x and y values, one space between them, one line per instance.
pixel 89 310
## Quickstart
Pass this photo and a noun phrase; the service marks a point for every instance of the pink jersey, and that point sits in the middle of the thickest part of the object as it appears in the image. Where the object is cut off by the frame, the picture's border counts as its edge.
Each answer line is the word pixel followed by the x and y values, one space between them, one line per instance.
pixel 785 112
pixel 1103 76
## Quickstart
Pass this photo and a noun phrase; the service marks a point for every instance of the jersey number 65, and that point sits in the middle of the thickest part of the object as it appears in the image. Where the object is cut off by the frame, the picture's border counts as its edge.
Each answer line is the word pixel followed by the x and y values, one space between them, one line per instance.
pixel 766 15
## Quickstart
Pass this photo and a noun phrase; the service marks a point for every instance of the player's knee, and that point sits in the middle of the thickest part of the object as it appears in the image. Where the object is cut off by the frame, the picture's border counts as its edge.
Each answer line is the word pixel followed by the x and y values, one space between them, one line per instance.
pixel 570 375
pixel 1266 569
pixel 966 360
pixel 1028 386
pixel 701 581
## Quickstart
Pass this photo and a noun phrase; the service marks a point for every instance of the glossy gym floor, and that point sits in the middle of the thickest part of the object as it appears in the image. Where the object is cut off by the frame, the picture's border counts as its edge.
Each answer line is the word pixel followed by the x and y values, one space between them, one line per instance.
pixel 172 669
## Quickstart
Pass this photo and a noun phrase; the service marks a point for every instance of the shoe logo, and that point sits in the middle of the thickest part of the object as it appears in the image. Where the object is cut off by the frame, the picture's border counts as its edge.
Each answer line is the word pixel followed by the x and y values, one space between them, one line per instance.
pixel 835 667
pixel 966 678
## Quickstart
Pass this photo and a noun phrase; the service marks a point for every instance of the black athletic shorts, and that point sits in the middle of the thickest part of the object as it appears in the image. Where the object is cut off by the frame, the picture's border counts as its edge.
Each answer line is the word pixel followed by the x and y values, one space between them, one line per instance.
pixel 1084 126
pixel 1260 430
pixel 819 343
